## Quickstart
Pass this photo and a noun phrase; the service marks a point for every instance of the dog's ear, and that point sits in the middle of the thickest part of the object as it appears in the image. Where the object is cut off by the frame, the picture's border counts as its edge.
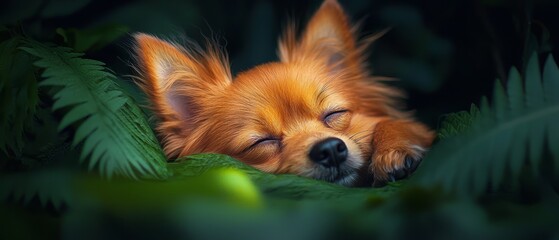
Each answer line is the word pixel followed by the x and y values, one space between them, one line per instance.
pixel 177 82
pixel 328 35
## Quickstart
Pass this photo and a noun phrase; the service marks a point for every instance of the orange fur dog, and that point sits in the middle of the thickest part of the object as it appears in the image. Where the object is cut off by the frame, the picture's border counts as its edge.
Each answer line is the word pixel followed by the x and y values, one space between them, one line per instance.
pixel 316 113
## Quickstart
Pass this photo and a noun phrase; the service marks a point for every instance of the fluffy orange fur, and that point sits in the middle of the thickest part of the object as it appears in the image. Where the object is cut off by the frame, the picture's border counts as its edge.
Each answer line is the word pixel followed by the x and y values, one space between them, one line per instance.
pixel 271 115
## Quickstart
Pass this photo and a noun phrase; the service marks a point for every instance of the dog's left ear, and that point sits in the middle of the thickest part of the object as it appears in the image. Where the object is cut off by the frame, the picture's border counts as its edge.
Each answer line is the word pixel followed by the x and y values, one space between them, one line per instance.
pixel 328 36
pixel 179 82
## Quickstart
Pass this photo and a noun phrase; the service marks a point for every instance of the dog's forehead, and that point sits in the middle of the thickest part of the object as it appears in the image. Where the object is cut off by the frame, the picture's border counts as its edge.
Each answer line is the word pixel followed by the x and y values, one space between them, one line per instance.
pixel 279 84
pixel 278 93
pixel 278 71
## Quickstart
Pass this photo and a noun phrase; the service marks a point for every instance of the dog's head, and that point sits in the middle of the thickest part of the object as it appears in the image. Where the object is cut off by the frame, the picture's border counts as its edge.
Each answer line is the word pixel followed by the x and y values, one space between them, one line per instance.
pixel 311 114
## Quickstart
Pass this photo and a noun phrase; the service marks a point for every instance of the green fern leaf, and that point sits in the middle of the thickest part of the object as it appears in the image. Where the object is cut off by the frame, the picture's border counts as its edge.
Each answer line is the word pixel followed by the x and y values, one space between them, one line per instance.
pixel 515 91
pixel 502 137
pixel 115 134
pixel 458 123
pixel 52 186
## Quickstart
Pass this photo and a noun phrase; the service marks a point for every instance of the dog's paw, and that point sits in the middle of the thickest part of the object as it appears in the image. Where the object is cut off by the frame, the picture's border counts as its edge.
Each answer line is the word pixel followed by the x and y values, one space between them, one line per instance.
pixel 395 164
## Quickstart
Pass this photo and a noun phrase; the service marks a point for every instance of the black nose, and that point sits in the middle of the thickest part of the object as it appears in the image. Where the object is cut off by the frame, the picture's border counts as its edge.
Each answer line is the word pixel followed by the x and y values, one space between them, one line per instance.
pixel 329 152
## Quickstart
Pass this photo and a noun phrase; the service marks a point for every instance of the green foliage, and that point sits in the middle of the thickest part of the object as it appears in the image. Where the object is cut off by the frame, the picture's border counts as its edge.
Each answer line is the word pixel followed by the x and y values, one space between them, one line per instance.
pixel 68 188
pixel 520 124
pixel 227 185
pixel 18 96
pixel 420 65
pixel 115 134
pixel 281 186
pixel 458 123
pixel 501 157
pixel 49 187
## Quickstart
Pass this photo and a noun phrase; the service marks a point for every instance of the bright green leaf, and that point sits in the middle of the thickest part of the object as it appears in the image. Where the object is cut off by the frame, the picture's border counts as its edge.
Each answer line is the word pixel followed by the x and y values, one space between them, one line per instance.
pixel 111 144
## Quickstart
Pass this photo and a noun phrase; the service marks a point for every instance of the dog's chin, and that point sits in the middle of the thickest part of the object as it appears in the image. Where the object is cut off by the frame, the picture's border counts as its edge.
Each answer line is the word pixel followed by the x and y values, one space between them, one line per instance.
pixel 343 176
pixel 346 179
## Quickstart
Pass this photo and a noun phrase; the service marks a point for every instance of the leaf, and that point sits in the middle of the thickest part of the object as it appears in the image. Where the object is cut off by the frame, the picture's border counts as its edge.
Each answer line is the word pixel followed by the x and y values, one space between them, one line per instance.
pixel 115 134
pixel 533 83
pixel 52 186
pixel 226 185
pixel 282 186
pixel 551 80
pixel 501 137
pixel 18 96
pixel 62 187
pixel 91 39
pixel 515 91
pixel 457 123
pixel 499 101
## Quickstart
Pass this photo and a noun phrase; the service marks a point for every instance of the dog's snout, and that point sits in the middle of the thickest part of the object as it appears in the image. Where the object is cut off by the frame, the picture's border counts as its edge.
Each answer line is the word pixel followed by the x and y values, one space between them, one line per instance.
pixel 329 152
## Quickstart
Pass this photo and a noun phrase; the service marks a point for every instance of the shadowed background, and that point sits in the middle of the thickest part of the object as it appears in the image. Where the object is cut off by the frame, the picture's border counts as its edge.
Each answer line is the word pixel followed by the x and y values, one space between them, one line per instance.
pixel 447 54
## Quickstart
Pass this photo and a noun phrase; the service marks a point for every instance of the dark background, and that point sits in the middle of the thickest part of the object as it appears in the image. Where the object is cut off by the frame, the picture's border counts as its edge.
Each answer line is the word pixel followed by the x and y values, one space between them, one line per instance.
pixel 447 54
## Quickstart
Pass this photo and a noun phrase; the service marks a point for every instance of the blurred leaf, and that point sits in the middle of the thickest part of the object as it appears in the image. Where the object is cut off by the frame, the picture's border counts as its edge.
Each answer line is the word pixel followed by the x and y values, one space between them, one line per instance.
pixel 546 44
pixel 57 8
pixel 307 221
pixel 229 186
pixel 44 146
pixel 51 186
pixel 70 188
pixel 415 55
pixel 115 134
pixel 495 147
pixel 91 39
pixel 18 96
pixel 281 186
pixel 531 46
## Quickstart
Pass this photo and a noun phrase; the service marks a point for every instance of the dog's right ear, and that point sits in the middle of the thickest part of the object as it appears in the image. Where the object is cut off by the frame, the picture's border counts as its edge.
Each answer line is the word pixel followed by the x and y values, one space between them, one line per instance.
pixel 177 81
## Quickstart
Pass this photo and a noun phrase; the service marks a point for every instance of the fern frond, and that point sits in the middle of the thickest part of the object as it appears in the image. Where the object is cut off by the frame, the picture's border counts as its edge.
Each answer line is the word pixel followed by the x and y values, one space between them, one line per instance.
pixel 115 134
pixel 458 123
pixel 516 127
pixel 52 186
pixel 18 96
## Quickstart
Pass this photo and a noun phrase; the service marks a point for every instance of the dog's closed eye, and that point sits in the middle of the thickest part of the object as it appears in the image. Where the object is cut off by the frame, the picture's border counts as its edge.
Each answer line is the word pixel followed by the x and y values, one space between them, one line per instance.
pixel 336 118
pixel 263 142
